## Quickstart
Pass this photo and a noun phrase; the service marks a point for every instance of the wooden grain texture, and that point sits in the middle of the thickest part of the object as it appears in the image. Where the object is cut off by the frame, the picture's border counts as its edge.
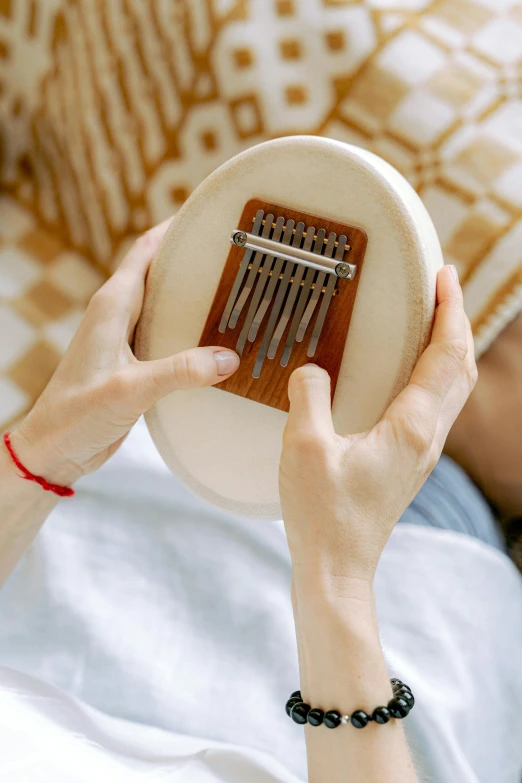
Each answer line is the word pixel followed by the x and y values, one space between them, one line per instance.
pixel 271 388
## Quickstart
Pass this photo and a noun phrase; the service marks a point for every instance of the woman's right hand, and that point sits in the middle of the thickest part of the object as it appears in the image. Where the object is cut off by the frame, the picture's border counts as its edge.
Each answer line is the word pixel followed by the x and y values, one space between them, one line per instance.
pixel 342 495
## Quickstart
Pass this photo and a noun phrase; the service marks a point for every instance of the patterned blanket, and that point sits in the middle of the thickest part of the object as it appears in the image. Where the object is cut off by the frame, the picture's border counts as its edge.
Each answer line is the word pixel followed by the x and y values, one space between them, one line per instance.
pixel 112 112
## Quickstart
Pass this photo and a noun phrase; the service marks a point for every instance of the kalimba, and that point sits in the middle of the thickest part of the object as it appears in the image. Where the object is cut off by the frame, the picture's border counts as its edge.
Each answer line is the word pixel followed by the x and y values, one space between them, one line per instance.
pixel 299 249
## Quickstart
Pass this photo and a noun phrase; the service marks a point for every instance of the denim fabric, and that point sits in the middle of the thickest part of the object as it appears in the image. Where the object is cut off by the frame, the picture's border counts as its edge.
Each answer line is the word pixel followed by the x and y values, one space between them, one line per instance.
pixel 451 501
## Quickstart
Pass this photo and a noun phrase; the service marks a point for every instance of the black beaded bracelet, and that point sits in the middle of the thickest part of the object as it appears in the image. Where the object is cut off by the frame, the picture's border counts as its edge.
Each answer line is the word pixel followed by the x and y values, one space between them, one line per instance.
pixel 398 707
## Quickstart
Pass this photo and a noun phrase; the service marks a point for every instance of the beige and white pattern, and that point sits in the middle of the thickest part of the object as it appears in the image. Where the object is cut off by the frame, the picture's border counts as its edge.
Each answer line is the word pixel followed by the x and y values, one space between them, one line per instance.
pixel 44 287
pixel 111 113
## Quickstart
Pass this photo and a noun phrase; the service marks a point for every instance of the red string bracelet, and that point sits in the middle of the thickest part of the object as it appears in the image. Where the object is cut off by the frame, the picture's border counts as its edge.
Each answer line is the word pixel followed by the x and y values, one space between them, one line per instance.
pixel 63 492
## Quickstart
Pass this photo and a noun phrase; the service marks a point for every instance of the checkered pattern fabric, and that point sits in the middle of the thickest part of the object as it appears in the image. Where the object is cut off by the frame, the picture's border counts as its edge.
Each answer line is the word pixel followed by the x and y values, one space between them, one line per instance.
pixel 44 287
pixel 111 113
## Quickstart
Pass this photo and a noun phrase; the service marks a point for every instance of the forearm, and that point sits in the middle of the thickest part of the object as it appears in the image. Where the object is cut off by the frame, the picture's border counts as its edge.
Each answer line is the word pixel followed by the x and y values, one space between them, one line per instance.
pixel 342 667
pixel 24 506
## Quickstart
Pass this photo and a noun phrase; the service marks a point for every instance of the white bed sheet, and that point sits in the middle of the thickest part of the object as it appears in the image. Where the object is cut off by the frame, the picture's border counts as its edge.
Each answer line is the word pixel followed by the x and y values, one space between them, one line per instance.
pixel 173 621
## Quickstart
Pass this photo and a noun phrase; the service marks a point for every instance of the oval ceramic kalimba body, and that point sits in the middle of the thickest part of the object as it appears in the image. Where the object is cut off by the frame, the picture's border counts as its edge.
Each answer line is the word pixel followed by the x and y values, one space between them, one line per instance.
pixel 353 289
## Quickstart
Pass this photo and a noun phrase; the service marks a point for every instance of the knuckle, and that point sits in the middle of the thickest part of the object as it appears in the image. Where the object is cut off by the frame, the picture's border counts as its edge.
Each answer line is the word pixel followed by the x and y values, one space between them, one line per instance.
pixel 118 386
pixel 113 296
pixel 417 435
pixel 100 297
pixel 456 349
pixel 419 441
pixel 146 241
pixel 106 300
pixel 431 460
pixel 187 371
pixel 308 444
pixel 472 374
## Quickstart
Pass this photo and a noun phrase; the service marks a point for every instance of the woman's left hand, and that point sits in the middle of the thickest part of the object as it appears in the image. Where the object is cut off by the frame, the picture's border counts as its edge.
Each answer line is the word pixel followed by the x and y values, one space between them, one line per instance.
pixel 100 389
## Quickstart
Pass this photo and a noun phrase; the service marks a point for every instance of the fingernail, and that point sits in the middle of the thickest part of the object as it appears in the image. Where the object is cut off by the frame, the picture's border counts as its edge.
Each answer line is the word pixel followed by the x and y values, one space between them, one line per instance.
pixel 454 272
pixel 226 362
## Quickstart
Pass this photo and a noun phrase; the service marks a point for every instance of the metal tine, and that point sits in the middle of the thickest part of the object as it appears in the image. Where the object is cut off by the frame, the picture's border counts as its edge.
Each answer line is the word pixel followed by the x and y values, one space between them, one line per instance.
pixel 256 228
pixel 287 237
pixel 252 275
pixel 303 298
pixel 260 287
pixel 316 293
pixel 327 298
pixel 292 294
pixel 276 308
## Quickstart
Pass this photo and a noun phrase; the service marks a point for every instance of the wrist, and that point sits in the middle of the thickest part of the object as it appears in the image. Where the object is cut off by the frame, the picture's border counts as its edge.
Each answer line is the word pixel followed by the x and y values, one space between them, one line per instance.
pixel 338 636
pixel 327 609
pixel 38 452
pixel 321 591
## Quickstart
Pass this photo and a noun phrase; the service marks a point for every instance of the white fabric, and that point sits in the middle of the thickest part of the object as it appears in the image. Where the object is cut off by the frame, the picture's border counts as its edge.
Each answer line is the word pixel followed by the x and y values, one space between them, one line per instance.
pixel 175 620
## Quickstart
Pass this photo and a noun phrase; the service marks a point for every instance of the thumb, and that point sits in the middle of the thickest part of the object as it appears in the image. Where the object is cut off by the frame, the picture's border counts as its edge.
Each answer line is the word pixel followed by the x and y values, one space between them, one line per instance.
pixel 310 405
pixel 186 370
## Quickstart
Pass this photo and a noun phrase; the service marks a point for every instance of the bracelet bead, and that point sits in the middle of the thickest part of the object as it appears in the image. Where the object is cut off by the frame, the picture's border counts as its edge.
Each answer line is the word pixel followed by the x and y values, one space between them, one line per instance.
pixel 315 717
pixel 398 707
pixel 360 719
pixel 290 703
pixel 407 696
pixel 299 712
pixel 381 715
pixel 332 719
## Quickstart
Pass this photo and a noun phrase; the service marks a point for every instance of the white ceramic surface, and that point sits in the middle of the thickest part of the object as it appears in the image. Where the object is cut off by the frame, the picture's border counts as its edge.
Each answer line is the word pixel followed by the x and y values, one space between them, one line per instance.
pixel 226 448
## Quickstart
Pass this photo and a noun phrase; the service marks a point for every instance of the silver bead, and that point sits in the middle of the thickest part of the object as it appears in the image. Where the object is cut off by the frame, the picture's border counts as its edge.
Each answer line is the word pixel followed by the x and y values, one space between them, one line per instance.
pixel 345 719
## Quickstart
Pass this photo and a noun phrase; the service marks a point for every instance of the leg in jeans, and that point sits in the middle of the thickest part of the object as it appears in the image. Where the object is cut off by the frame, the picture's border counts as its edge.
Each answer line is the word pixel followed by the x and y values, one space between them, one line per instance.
pixel 449 500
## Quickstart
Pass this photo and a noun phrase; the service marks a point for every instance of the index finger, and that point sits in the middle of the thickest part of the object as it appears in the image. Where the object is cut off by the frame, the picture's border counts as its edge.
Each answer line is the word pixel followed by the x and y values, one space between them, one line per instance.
pixel 122 294
pixel 142 251
pixel 443 359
